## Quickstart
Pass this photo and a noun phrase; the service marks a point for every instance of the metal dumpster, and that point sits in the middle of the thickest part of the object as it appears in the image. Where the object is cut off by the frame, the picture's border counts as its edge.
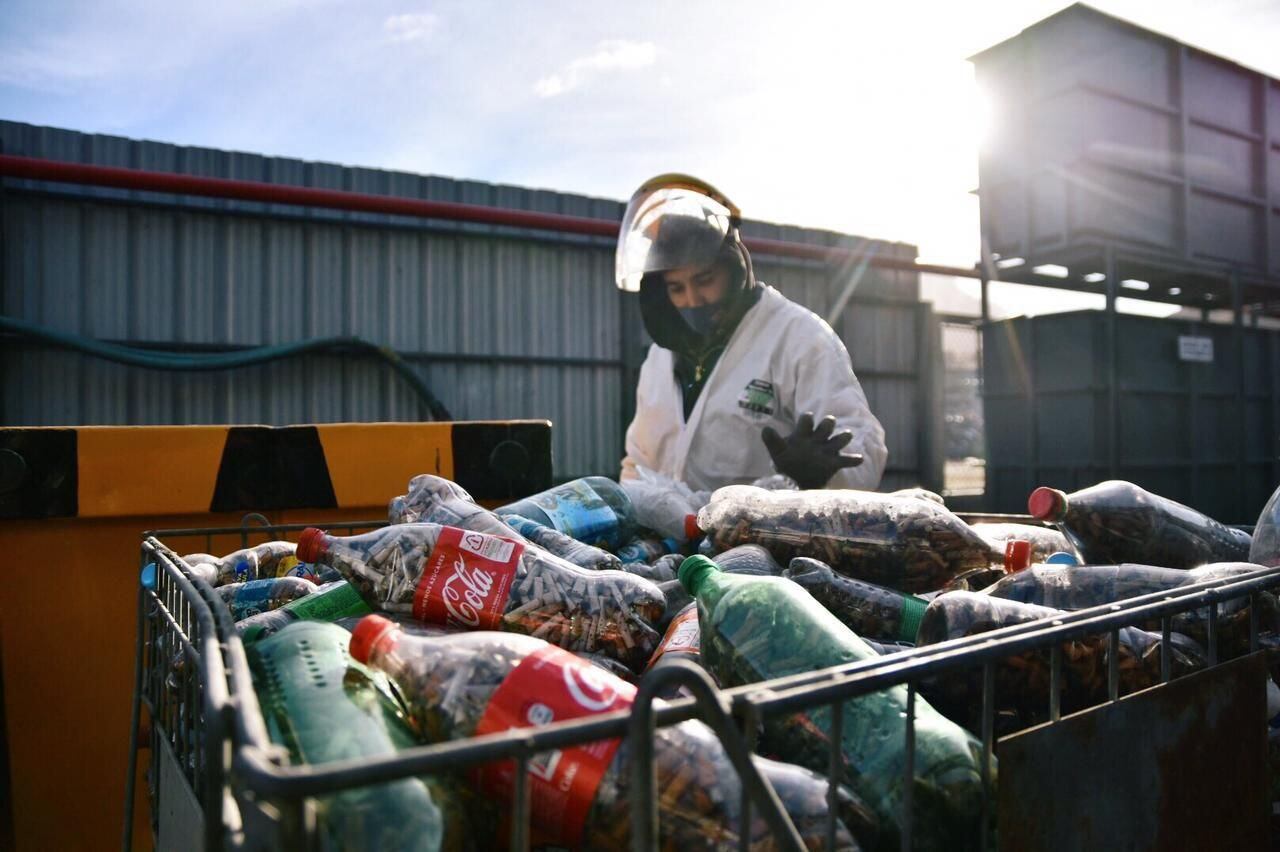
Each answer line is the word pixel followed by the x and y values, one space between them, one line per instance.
pixel 1179 765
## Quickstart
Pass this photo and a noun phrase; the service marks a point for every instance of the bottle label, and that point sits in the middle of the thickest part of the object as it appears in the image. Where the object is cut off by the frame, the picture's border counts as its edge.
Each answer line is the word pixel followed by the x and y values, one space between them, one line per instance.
pixel 552 685
pixel 683 634
pixel 467 580
pixel 329 603
pixel 575 509
pixel 252 598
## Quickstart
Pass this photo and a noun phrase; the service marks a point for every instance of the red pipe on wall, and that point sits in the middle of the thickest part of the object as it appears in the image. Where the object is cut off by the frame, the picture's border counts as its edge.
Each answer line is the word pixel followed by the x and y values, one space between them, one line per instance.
pixel 32 168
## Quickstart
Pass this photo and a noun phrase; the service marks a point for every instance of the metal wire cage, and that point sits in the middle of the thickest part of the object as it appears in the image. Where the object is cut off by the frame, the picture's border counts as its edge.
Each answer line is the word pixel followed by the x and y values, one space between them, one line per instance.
pixel 250 797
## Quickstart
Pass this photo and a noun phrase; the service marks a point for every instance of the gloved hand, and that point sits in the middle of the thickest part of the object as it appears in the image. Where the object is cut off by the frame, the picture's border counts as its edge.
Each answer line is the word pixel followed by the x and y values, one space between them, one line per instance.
pixel 810 455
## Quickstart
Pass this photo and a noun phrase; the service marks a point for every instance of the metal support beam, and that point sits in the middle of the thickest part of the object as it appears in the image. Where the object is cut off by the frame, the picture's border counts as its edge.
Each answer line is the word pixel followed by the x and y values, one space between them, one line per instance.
pixel 1113 372
pixel 1242 497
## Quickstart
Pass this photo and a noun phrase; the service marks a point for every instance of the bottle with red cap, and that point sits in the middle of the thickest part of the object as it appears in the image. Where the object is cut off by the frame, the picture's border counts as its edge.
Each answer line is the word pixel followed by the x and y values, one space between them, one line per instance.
pixel 1114 522
pixel 472 581
pixel 470 684
pixel 436 500
pixel 902 543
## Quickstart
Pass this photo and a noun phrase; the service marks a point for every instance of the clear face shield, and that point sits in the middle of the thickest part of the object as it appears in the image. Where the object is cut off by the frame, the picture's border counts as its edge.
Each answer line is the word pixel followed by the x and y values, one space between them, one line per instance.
pixel 671 221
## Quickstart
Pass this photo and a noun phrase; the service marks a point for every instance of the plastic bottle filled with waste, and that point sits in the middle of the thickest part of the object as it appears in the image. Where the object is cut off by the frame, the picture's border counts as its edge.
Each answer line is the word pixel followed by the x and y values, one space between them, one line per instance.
pixel 680 642
pixel 758 628
pixel 468 580
pixel 436 500
pixel 592 509
pixel 902 543
pixel 871 611
pixel 1114 522
pixel 1022 680
pixel 323 707
pixel 1265 548
pixel 258 596
pixel 270 559
pixel 566 547
pixel 1044 541
pixel 330 602
pixel 471 684
pixel 1080 587
pixel 647 550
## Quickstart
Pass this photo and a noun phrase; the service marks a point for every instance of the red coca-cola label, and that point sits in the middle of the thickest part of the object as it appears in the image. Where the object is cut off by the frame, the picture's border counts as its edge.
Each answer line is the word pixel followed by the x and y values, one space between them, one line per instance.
pixel 467 580
pixel 682 635
pixel 552 685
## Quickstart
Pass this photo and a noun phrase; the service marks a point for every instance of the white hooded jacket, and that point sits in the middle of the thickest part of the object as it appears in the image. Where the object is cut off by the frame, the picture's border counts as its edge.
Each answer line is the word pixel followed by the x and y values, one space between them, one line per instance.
pixel 781 361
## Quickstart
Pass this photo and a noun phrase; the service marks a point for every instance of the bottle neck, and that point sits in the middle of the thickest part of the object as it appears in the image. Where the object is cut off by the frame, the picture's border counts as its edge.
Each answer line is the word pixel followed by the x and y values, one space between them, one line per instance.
pixel 701 579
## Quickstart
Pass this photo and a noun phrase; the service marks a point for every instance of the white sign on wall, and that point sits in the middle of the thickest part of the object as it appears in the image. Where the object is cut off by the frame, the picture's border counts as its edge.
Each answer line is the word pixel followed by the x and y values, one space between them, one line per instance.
pixel 1192 348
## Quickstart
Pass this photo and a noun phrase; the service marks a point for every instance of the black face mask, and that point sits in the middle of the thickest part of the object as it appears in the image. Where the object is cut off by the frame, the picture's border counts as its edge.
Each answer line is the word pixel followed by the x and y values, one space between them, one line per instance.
pixel 701 320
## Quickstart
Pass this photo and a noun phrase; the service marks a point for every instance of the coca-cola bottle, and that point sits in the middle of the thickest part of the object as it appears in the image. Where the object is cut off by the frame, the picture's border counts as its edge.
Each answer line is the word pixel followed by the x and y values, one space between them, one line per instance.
pixel 1114 522
pixel 477 683
pixel 436 500
pixel 592 509
pixel 468 580
pixel 756 628
pixel 258 596
pixel 271 559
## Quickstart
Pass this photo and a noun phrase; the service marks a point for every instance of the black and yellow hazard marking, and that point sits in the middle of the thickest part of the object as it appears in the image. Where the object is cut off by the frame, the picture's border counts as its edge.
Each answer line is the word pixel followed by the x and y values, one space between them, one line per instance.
pixel 110 471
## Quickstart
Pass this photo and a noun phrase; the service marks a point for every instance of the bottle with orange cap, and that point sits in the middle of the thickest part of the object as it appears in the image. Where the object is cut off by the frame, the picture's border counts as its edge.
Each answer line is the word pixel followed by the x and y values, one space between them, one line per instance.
pixel 470 684
pixel 468 580
pixel 900 542
pixel 1115 521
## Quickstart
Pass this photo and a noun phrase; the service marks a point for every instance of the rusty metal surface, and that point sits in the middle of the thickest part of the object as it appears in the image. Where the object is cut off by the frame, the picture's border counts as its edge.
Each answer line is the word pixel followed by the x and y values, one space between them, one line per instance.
pixel 1179 766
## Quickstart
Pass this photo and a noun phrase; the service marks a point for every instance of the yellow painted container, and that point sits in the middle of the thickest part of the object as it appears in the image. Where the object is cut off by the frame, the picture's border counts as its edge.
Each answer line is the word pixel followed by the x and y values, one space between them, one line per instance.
pixel 73 503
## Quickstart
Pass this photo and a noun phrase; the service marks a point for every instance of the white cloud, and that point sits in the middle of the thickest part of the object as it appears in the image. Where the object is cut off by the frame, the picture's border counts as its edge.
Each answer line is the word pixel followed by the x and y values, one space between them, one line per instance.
pixel 411 27
pixel 609 55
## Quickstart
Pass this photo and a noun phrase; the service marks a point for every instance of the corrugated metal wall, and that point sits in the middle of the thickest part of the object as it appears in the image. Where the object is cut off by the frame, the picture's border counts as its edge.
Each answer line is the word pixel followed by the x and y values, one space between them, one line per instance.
pixel 501 323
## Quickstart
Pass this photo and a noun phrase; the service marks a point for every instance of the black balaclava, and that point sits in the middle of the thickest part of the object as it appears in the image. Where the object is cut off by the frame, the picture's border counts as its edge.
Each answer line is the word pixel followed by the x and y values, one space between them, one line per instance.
pixel 696 354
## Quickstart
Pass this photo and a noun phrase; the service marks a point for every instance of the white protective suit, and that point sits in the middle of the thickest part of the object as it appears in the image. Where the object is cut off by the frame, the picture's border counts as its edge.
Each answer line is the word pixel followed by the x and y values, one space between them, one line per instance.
pixel 781 361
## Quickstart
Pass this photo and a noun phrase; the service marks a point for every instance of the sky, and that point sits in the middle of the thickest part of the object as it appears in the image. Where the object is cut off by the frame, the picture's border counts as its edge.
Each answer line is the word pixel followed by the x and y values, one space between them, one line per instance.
pixel 854 116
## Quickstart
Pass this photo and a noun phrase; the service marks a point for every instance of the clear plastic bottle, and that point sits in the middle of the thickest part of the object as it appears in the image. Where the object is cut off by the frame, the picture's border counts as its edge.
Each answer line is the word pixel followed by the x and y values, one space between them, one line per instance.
pixel 647 550
pixel 270 559
pixel 323 707
pixel 902 543
pixel 1265 548
pixel 468 580
pixel 436 500
pixel 258 596
pixel 1115 521
pixel 758 628
pixel 592 509
pixel 1022 681
pixel 470 684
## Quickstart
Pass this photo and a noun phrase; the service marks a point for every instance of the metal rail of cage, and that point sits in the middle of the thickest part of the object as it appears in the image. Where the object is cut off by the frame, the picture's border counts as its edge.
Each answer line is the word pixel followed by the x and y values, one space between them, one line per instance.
pixel 259 770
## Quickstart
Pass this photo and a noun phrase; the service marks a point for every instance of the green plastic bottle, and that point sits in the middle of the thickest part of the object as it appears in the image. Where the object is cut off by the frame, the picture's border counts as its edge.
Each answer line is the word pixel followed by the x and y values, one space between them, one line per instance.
pixel 322 706
pixel 759 628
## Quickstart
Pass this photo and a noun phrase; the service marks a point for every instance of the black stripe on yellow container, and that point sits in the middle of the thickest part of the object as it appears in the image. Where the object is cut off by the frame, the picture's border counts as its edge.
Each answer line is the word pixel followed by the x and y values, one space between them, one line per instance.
pixel 109 471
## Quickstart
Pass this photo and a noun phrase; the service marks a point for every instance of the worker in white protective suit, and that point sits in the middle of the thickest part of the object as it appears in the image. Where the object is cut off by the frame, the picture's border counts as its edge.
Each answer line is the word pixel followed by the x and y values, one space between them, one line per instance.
pixel 737 373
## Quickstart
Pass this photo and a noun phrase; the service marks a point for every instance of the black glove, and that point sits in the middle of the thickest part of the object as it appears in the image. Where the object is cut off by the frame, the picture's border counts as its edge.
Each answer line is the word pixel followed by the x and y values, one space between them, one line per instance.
pixel 809 455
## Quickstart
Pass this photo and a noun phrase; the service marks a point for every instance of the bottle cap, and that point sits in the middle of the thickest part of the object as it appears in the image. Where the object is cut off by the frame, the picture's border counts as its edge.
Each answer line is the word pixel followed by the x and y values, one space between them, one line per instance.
pixel 1047 504
pixel 1017 555
pixel 692 532
pixel 693 571
pixel 310 545
pixel 149 576
pixel 1061 557
pixel 371 631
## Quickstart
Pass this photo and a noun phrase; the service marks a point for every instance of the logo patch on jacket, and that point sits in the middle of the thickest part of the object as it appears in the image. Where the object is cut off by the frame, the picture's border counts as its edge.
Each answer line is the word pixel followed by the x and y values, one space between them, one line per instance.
pixel 758 397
